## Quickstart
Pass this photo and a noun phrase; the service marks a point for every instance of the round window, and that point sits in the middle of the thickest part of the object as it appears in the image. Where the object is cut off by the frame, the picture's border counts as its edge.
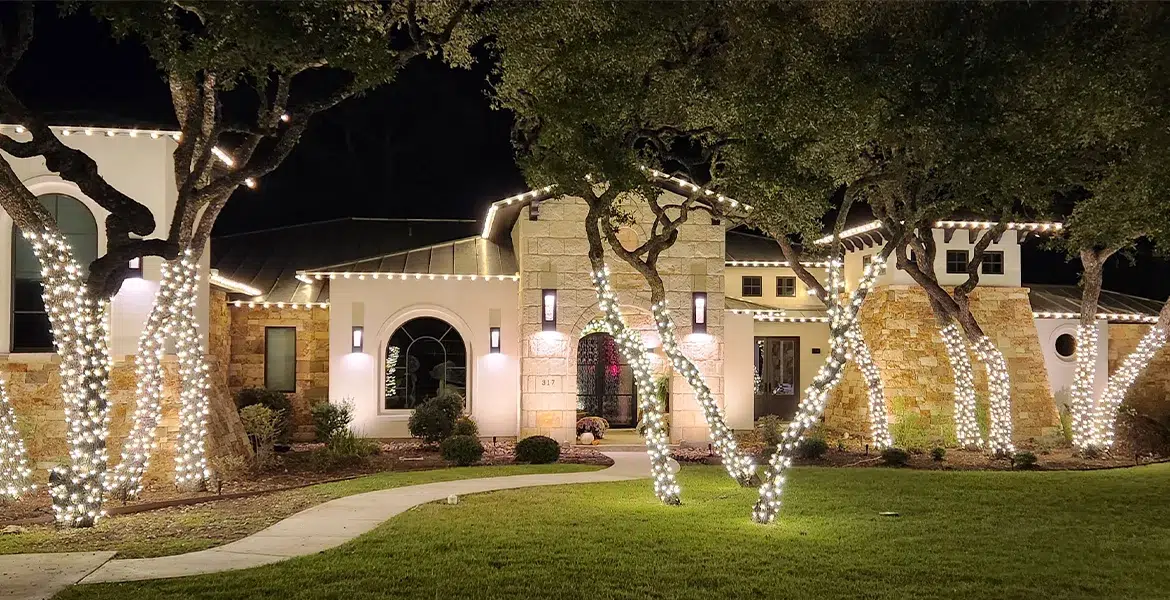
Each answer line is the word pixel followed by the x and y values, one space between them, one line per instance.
pixel 1066 345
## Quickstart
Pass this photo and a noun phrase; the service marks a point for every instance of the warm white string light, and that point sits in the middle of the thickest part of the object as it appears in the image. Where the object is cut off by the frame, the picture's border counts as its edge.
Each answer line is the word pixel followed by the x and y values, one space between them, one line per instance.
pixel 1081 399
pixel 999 435
pixel 14 465
pixel 191 472
pixel 879 417
pixel 363 275
pixel 740 466
pixel 254 304
pixel 843 318
pixel 966 423
pixel 633 350
pixel 79 334
pixel 1105 414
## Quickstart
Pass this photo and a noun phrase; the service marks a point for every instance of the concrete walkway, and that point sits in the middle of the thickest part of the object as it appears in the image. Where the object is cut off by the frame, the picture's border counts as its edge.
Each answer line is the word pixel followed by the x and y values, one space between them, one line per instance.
pixel 310 531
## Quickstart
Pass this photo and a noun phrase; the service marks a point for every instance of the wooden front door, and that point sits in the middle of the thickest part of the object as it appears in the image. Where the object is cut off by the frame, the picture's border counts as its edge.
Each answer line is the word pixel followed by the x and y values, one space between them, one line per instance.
pixel 777 376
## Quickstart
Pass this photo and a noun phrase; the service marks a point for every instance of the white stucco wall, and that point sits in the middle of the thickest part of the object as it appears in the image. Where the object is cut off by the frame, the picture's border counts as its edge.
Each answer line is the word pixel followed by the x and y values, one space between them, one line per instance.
pixel 140 167
pixel 381 306
pixel 812 336
pixel 1062 371
pixel 733 286
pixel 961 240
pixel 738 370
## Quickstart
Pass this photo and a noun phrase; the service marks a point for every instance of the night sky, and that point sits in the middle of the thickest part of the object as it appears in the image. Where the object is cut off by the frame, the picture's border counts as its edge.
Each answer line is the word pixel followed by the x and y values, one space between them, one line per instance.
pixel 425 146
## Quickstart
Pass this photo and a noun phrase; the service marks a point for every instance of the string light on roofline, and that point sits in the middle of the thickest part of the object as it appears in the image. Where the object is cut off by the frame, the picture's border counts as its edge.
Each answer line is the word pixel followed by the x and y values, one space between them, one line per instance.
pixel 1124 317
pixel 812 264
pixel 874 225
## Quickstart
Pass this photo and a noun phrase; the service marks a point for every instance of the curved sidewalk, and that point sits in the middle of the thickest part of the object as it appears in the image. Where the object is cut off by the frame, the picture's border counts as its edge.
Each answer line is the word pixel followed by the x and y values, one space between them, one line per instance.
pixel 338 521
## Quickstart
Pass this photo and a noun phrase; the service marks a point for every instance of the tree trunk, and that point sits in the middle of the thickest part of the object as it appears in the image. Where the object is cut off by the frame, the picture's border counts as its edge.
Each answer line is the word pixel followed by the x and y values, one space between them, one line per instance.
pixel 966 424
pixel 191 472
pixel 14 465
pixel 999 435
pixel 1082 403
pixel 1105 415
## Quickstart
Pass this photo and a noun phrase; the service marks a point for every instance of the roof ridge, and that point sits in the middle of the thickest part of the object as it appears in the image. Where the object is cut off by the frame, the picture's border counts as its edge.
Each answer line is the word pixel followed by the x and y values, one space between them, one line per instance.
pixel 473 238
pixel 337 219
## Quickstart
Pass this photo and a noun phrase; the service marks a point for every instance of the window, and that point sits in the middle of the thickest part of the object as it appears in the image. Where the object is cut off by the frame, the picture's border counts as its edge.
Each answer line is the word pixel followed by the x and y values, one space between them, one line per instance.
pixel 956 261
pixel 992 263
pixel 786 287
pixel 30 321
pixel 280 358
pixel 1066 345
pixel 424 355
pixel 752 286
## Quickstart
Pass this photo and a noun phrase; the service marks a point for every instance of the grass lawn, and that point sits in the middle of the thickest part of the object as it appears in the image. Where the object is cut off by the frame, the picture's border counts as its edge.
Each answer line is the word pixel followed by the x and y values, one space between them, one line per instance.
pixel 1033 535
pixel 201 526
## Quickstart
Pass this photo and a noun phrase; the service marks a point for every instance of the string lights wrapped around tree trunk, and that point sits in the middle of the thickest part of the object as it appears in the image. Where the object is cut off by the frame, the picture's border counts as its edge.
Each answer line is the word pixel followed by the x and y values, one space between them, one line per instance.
pixel 79 333
pixel 966 424
pixel 842 319
pixel 740 466
pixel 999 435
pixel 1081 400
pixel 191 471
pixel 633 350
pixel 879 418
pixel 1105 415
pixel 14 465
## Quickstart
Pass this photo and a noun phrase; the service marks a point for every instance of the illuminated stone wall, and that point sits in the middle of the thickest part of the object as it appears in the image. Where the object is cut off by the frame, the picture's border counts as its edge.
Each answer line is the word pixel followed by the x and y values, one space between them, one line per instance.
pixel 1151 393
pixel 900 329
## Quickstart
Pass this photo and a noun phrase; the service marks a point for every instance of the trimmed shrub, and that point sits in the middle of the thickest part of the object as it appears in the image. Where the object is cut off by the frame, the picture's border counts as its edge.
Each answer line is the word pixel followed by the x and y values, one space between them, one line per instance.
pixel 462 450
pixel 278 402
pixel 345 448
pixel 227 468
pixel 329 419
pixel 938 453
pixel 595 425
pixel 770 428
pixel 895 457
pixel 465 425
pixel 1023 460
pixel 812 447
pixel 538 449
pixel 262 424
pixel 434 419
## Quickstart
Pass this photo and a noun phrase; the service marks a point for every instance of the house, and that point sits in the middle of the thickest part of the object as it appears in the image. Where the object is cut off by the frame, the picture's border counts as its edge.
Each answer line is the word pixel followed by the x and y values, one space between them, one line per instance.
pixel 385 312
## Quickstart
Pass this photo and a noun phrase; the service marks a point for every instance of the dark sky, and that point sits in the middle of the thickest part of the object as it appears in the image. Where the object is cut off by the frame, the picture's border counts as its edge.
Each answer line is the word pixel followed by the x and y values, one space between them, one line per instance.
pixel 425 146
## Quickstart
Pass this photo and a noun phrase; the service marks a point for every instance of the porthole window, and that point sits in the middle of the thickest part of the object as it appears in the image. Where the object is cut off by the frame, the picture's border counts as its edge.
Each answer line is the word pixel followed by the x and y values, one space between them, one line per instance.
pixel 1066 345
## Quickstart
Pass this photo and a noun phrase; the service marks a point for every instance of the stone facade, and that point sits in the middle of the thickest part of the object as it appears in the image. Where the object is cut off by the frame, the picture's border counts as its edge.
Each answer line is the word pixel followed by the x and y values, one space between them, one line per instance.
pixel 553 254
pixel 900 328
pixel 243 348
pixel 1151 393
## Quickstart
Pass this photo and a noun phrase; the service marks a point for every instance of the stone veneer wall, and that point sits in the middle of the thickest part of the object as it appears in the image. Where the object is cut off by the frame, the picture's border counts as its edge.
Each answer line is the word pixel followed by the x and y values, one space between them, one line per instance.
pixel 34 382
pixel 1151 393
pixel 898 325
pixel 245 355
pixel 553 254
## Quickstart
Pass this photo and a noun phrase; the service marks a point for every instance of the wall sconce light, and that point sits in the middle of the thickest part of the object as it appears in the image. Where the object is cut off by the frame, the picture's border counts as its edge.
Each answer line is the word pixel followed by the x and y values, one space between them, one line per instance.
pixel 357 338
pixel 494 340
pixel 548 312
pixel 136 267
pixel 699 312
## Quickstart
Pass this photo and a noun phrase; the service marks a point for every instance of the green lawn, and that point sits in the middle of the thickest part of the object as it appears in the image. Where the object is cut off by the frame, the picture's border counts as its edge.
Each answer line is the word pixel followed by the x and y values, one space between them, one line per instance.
pixel 984 535
pixel 201 526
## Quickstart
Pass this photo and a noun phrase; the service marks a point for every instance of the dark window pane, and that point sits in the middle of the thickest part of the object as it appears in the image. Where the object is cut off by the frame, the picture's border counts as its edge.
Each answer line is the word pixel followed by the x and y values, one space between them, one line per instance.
pixel 786 287
pixel 280 358
pixel 27 296
pixel 956 261
pixel 752 285
pixel 431 356
pixel 74 218
pixel 31 333
pixel 993 263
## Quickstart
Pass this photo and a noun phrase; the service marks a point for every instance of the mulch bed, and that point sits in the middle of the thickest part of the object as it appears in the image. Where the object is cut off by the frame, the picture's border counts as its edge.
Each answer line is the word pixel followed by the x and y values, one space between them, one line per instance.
pixel 297 468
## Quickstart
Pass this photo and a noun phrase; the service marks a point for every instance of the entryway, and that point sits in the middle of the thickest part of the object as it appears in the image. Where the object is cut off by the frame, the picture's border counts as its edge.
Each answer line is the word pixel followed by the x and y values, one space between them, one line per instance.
pixel 777 376
pixel 605 383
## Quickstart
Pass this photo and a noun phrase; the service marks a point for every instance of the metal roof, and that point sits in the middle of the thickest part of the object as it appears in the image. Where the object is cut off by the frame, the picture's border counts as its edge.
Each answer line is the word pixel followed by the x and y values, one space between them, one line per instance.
pixel 1066 300
pixel 468 256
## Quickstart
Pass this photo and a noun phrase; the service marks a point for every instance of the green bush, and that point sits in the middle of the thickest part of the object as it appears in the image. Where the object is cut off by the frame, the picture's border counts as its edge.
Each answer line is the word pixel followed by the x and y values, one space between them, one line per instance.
pixel 329 419
pixel 1066 424
pixel 912 429
pixel 344 449
pixel 278 402
pixel 262 424
pixel 1023 460
pixel 434 420
pixel 982 414
pixel 895 457
pixel 538 449
pixel 770 428
pixel 464 425
pixel 462 450
pixel 812 447
pixel 938 453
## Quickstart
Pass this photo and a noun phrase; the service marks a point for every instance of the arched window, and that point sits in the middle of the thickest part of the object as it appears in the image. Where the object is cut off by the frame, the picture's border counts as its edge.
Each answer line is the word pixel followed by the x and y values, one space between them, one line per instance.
pixel 605 383
pixel 30 322
pixel 423 356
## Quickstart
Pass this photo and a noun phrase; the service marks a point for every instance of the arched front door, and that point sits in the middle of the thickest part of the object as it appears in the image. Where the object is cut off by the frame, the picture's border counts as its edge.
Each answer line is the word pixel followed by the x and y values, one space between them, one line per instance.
pixel 605 383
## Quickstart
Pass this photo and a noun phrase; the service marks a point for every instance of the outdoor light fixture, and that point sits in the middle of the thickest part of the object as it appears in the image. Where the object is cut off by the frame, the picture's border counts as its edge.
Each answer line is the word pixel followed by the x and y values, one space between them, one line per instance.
pixel 357 338
pixel 136 267
pixel 548 312
pixel 494 340
pixel 699 312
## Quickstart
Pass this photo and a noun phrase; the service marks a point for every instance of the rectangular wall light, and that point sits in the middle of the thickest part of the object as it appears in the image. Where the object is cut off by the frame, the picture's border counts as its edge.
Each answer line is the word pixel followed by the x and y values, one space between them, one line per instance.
pixel 699 312
pixel 357 336
pixel 548 310
pixel 494 340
